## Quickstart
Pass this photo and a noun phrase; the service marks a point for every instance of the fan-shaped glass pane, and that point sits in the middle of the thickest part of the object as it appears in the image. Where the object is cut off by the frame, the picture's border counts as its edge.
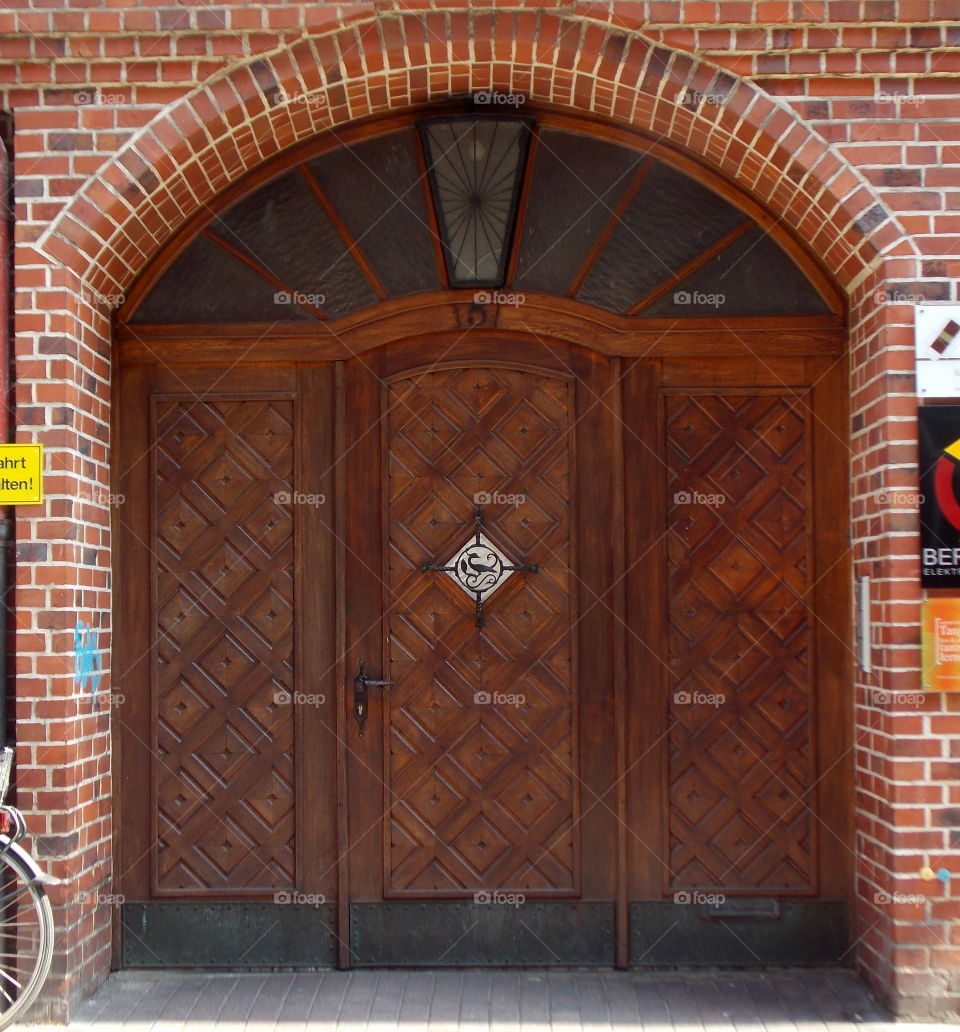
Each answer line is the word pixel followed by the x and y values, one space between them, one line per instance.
pixel 476 166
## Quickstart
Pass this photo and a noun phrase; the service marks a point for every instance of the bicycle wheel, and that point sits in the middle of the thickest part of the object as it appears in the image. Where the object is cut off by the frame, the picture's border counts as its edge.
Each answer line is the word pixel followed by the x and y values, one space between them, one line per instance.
pixel 26 935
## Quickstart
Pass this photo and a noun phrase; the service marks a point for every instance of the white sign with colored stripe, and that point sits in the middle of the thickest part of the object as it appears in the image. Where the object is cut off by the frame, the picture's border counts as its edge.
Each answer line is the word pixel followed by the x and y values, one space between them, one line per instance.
pixel 938 350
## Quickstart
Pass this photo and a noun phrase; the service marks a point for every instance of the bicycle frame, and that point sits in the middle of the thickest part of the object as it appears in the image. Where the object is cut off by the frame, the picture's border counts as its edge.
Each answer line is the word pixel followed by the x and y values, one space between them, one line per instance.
pixel 39 876
pixel 13 825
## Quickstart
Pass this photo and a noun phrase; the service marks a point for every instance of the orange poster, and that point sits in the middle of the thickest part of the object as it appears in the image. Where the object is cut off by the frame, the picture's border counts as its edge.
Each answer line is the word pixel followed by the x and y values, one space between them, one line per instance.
pixel 940 625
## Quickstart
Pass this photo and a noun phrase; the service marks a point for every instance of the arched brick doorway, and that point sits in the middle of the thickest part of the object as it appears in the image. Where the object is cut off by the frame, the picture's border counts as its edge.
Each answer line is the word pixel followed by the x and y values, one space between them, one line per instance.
pixel 110 231
pixel 642 735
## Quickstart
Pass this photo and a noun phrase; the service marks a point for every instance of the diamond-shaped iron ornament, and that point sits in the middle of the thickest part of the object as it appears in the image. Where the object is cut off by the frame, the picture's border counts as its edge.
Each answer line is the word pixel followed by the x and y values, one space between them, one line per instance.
pixel 479 567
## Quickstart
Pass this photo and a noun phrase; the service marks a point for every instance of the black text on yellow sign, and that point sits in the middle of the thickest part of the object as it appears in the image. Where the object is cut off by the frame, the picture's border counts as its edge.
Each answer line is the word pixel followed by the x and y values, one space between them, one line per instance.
pixel 21 474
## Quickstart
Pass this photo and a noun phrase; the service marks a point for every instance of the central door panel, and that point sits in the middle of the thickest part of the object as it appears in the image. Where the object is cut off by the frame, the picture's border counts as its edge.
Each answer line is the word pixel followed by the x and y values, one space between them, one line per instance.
pixel 485 771
pixel 481 754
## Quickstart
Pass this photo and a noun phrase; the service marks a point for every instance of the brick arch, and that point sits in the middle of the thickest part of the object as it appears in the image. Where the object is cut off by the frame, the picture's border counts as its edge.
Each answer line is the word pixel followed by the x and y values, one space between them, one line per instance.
pixel 373 64
pixel 379 62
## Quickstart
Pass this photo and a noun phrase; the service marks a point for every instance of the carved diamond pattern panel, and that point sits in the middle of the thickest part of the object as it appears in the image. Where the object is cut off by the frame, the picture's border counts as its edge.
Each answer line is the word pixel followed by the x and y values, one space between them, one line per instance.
pixel 481 723
pixel 223 566
pixel 741 692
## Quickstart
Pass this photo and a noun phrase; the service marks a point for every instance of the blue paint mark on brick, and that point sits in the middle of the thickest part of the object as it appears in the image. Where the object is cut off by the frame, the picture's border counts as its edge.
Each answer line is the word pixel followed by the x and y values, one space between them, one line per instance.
pixel 86 663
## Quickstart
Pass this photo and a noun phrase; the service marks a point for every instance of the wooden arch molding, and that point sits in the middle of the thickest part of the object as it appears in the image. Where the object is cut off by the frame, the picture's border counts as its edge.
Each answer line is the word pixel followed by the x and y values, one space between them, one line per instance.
pixel 380 61
pixel 439 309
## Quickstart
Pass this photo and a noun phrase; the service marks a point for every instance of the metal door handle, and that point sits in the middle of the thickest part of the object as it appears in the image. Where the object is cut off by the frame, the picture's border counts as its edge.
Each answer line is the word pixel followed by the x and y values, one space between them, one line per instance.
pixel 361 695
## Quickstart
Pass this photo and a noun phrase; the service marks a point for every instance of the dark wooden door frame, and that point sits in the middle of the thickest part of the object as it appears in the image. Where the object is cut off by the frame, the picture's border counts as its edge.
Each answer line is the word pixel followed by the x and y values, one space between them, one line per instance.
pixel 818 381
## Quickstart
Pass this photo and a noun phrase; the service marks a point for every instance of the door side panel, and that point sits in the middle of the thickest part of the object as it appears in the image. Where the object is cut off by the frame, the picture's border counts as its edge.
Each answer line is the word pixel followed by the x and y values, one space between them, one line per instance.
pixel 227 796
pixel 741 693
pixel 223 768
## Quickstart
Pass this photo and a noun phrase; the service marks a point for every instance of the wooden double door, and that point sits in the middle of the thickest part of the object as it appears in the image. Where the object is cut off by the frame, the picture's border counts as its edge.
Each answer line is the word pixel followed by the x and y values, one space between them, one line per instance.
pixel 595 589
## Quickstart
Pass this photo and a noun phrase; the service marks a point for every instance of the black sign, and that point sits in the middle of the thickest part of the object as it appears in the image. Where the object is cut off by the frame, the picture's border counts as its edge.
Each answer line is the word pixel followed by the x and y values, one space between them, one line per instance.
pixel 939 496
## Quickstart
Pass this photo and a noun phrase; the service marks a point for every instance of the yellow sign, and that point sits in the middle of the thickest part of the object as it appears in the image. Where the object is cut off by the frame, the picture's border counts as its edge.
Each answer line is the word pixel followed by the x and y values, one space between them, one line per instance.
pixel 940 644
pixel 21 474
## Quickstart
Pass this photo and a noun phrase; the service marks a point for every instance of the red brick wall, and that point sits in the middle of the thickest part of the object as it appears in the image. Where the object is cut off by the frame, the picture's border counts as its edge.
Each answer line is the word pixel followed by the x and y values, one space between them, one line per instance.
pixel 842 116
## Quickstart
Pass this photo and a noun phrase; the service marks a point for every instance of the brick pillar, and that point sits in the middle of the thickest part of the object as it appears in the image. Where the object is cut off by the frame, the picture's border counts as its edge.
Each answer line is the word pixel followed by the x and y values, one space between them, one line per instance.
pixel 906 931
pixel 62 600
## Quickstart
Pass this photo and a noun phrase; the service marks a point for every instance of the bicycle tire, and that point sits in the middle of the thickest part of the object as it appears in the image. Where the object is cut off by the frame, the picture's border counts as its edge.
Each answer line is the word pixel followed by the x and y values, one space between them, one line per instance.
pixel 26 936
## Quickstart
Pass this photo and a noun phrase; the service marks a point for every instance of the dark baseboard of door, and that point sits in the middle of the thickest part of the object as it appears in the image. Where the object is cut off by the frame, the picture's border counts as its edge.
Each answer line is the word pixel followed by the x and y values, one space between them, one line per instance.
pixel 744 933
pixel 462 933
pixel 228 935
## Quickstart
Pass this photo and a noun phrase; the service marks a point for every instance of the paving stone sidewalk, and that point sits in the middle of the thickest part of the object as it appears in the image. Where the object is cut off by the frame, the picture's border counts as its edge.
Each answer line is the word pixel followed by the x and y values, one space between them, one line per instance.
pixel 484 1001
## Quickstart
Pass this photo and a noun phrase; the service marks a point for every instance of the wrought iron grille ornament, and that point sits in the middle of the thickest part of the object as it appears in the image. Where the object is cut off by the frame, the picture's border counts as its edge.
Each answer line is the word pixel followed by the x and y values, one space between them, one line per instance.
pixel 476 167
pixel 479 567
